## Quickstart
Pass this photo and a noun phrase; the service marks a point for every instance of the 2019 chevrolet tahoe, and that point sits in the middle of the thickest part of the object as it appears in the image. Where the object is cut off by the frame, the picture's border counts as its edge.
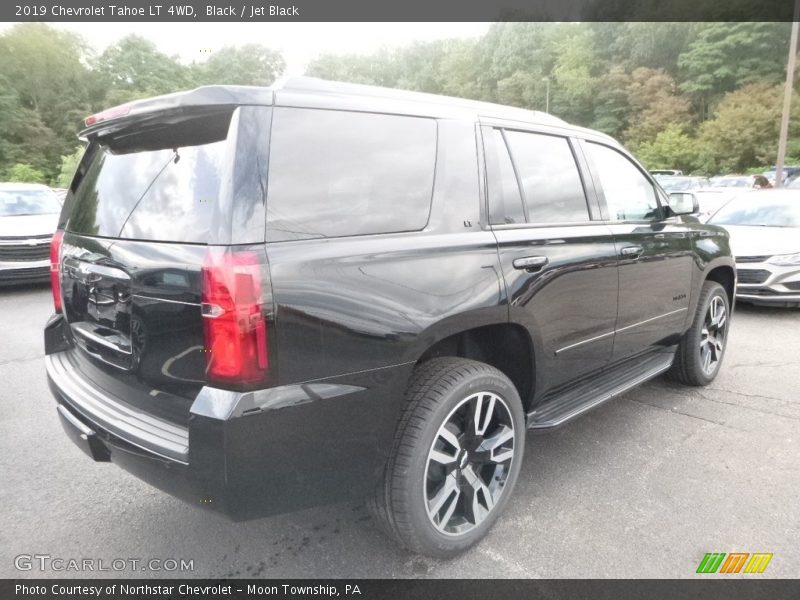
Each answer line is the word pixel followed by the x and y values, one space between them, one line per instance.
pixel 273 298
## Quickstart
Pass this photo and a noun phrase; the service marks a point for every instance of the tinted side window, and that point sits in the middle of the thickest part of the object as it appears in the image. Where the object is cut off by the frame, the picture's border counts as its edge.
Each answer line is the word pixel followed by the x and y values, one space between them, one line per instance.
pixel 628 193
pixel 550 179
pixel 505 201
pixel 337 173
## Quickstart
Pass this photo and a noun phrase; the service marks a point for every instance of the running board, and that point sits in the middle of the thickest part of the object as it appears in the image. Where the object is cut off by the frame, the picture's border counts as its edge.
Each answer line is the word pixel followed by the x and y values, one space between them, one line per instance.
pixel 571 401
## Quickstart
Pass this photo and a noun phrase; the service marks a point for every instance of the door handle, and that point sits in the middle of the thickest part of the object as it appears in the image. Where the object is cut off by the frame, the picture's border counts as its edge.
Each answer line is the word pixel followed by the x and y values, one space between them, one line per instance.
pixel 631 251
pixel 530 263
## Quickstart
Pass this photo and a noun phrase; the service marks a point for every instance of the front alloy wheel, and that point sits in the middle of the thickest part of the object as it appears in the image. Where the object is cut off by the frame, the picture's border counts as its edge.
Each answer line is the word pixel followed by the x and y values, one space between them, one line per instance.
pixel 712 335
pixel 700 351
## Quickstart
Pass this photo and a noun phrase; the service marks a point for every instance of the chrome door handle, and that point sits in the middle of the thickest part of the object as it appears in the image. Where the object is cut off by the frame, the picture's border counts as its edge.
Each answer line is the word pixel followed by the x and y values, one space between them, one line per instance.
pixel 530 262
pixel 631 251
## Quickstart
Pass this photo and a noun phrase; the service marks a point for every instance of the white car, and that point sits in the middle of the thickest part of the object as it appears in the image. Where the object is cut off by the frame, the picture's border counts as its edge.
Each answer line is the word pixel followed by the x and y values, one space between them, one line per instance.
pixel 765 239
pixel 28 219
pixel 710 200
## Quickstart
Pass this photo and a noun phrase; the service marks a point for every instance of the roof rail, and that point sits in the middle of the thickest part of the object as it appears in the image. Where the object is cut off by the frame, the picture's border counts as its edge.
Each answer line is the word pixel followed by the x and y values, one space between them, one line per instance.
pixel 323 86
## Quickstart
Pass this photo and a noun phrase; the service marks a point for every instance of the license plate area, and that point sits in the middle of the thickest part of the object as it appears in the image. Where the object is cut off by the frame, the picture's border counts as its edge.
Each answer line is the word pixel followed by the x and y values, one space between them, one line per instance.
pixel 98 307
pixel 84 437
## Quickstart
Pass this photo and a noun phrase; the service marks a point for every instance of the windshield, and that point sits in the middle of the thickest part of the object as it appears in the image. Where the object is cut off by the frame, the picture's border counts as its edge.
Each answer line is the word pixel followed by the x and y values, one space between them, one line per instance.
pixel 750 211
pixel 731 182
pixel 675 185
pixel 28 202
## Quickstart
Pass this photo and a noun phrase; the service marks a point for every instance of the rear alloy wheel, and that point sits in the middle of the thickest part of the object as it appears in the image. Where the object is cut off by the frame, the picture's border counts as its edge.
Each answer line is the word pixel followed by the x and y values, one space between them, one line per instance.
pixel 455 459
pixel 469 463
pixel 702 348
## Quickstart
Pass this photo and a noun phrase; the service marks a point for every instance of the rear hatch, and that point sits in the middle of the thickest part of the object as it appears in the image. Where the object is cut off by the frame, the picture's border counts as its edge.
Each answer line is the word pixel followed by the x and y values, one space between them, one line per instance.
pixel 148 216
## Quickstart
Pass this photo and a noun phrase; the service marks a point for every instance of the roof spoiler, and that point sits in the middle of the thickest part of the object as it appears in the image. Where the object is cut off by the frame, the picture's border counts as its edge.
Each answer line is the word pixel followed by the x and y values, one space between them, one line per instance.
pixel 202 97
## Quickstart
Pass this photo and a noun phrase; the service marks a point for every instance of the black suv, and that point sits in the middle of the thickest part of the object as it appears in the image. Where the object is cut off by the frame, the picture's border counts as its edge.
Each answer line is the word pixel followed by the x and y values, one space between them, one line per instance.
pixel 272 298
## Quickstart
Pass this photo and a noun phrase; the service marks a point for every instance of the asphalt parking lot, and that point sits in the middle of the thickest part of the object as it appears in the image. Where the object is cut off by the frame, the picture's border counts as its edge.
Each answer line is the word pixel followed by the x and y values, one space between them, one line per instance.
pixel 644 486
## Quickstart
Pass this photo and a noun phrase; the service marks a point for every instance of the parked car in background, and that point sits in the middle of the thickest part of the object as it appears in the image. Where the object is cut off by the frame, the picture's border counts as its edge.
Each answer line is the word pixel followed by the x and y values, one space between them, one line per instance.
pixel 740 181
pixel 765 238
pixel 793 182
pixel 665 172
pixel 683 183
pixel 788 172
pixel 28 219
pixel 711 199
pixel 60 193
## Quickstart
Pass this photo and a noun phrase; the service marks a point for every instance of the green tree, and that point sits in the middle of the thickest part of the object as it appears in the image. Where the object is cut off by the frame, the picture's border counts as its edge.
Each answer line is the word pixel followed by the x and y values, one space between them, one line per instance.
pixel 24 138
pixel 69 164
pixel 45 91
pixel 22 173
pixel 725 56
pixel 744 130
pixel 133 68
pixel 522 89
pixel 673 148
pixel 461 70
pixel 250 64
pixel 611 103
pixel 518 57
pixel 653 45
pixel 654 104
pixel 574 82
pixel 377 69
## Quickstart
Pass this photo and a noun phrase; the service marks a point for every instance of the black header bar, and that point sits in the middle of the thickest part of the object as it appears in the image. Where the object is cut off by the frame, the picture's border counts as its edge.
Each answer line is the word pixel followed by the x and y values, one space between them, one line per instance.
pixel 713 587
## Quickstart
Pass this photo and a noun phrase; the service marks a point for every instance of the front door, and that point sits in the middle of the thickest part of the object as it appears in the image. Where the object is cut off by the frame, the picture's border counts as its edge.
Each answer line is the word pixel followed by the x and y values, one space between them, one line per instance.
pixel 655 258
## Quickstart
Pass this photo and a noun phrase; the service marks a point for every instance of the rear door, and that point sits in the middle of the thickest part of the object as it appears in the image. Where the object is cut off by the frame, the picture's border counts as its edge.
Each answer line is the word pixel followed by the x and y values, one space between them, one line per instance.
pixel 148 199
pixel 559 262
pixel 373 238
pixel 655 253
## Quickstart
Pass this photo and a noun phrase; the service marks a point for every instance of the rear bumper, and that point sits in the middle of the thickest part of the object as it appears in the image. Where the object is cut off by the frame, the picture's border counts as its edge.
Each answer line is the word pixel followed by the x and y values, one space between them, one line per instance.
pixel 245 454
pixel 113 416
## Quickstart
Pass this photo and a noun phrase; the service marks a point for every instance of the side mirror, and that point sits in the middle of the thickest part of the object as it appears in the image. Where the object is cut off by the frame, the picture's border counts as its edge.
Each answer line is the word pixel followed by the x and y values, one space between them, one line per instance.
pixel 683 203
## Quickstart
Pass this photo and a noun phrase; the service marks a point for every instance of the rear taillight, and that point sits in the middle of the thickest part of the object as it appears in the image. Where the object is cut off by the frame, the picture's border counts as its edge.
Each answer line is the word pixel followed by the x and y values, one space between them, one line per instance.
pixel 111 113
pixel 55 279
pixel 233 317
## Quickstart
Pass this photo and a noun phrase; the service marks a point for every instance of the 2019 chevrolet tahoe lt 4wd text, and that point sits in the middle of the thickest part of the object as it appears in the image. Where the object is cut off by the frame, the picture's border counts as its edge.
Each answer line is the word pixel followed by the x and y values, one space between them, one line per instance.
pixel 273 298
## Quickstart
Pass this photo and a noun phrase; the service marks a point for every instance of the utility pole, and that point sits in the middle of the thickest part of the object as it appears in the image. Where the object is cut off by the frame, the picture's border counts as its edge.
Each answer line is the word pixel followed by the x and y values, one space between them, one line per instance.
pixel 787 96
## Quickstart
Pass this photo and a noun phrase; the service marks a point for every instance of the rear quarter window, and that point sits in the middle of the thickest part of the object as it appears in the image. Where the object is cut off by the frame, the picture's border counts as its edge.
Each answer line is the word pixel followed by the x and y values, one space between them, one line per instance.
pixel 340 173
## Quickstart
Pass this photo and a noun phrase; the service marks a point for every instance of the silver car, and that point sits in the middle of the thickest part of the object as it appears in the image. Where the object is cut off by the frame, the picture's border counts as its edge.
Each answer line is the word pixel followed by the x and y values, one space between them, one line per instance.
pixel 28 219
pixel 683 184
pixel 765 238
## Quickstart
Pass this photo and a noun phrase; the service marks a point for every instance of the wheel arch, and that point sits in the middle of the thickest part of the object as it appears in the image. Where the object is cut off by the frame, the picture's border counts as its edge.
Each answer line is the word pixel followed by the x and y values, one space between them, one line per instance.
pixel 725 275
pixel 506 346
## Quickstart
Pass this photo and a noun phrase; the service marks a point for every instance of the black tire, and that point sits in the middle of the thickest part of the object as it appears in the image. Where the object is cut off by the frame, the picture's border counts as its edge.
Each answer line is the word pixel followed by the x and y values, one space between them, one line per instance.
pixel 441 392
pixel 688 367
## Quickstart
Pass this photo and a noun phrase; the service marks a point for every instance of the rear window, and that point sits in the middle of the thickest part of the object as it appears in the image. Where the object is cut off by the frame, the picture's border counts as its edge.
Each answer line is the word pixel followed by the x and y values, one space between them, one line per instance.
pixel 28 202
pixel 339 173
pixel 158 185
